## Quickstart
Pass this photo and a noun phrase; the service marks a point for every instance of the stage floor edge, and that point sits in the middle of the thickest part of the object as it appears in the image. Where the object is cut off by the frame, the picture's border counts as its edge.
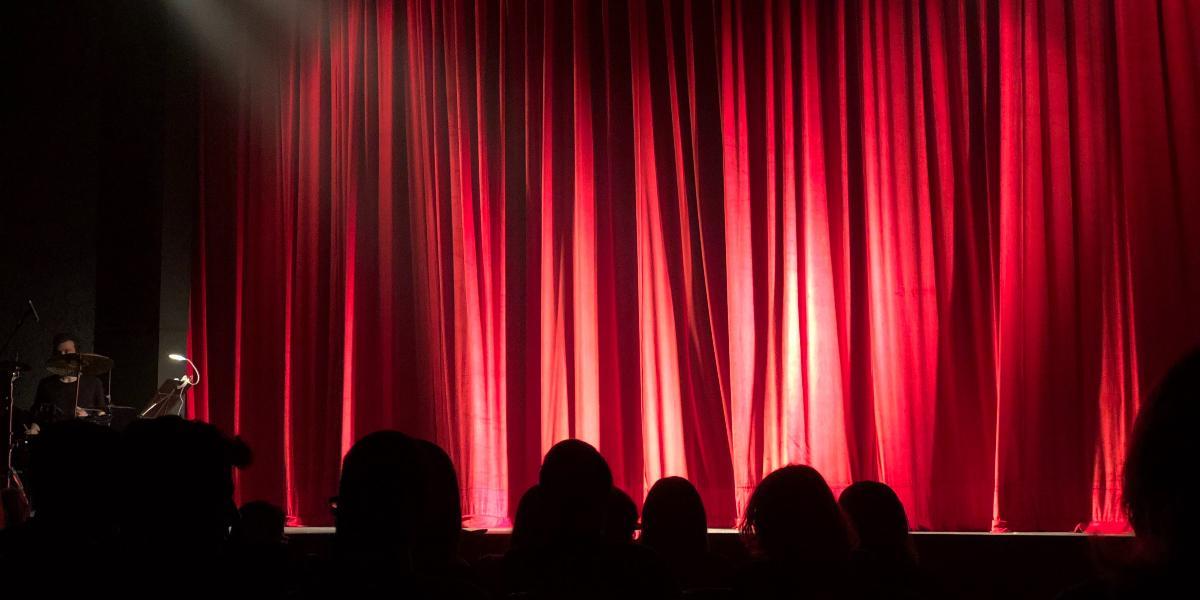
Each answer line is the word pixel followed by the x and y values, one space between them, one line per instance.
pixel 722 531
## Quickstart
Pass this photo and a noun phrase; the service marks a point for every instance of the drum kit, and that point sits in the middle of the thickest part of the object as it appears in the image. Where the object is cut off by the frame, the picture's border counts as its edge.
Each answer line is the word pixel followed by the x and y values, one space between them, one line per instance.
pixel 168 400
pixel 77 365
pixel 74 365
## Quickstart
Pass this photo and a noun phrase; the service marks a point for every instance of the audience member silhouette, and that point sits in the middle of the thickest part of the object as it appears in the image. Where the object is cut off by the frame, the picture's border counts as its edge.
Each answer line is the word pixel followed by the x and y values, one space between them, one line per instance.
pixel 378 476
pixel 675 526
pixel 258 551
pixel 1160 492
pixel 397 522
pixel 576 482
pixel 885 560
pixel 72 492
pixel 576 559
pixel 620 518
pixel 799 538
pixel 504 573
pixel 177 506
pixel 260 524
pixel 531 525
pixel 438 530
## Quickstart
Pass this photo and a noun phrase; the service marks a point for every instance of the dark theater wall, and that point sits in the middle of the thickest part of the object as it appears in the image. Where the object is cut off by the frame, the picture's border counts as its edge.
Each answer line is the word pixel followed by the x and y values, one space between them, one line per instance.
pixel 97 186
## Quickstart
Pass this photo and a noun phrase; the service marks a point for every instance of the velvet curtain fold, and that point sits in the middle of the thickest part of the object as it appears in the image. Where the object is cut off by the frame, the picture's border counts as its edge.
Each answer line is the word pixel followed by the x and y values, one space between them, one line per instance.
pixel 947 245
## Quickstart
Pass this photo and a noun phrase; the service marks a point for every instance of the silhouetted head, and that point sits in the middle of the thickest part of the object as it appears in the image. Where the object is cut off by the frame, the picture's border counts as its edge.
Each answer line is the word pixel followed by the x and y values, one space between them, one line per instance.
pixel 71 480
pixel 792 515
pixel 379 494
pixel 574 469
pixel 439 524
pixel 576 481
pixel 620 517
pixel 179 482
pixel 531 524
pixel 673 519
pixel 259 523
pixel 1161 494
pixel 878 518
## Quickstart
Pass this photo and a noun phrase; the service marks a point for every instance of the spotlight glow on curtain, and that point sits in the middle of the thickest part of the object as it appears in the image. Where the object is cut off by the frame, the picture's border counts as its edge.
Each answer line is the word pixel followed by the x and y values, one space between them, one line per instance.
pixel 943 244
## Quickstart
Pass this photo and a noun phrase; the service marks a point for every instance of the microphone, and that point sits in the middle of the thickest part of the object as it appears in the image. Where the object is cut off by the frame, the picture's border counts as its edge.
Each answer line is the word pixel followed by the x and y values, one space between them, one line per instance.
pixel 32 308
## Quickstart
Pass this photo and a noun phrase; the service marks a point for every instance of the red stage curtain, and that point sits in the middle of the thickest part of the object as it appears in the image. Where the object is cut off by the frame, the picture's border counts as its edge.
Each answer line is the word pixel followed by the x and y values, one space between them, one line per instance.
pixel 943 244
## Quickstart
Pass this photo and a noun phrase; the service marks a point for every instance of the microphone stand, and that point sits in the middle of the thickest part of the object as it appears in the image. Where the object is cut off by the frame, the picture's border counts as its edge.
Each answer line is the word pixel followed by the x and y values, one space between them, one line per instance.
pixel 13 335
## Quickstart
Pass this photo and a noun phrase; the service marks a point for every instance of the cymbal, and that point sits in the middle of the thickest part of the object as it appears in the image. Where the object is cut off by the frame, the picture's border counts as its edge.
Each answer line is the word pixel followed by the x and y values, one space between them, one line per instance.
pixel 9 366
pixel 67 365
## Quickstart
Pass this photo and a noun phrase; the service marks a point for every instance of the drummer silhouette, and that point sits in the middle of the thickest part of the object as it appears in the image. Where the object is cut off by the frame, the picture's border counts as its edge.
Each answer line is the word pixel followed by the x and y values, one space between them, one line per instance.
pixel 71 391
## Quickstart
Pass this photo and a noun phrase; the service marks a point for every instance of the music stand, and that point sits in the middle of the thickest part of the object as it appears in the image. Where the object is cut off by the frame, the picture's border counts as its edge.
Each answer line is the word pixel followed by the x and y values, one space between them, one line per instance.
pixel 168 400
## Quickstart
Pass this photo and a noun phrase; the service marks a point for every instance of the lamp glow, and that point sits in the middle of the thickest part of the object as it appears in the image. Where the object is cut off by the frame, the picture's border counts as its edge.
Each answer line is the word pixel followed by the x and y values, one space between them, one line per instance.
pixel 182 358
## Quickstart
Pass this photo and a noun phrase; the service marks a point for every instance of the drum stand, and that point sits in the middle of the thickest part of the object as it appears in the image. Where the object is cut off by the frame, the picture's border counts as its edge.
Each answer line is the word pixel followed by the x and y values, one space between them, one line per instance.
pixel 11 479
pixel 78 383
